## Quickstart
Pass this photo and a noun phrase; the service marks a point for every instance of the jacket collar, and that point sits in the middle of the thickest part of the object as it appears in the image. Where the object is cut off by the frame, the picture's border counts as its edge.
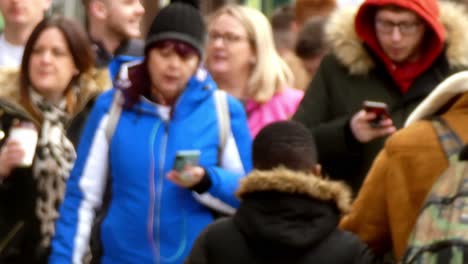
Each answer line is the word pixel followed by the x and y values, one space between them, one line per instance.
pixel 348 47
pixel 288 181
pixel 197 89
pixel 91 84
pixel 450 88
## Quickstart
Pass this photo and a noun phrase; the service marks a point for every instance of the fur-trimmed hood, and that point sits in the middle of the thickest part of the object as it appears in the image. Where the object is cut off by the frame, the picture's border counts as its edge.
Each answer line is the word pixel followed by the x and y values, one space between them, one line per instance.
pixel 293 182
pixel 91 84
pixel 444 92
pixel 349 50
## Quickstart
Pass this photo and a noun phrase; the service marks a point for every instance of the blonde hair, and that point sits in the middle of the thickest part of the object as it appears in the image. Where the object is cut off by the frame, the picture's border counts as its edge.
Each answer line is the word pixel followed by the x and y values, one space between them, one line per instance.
pixel 270 73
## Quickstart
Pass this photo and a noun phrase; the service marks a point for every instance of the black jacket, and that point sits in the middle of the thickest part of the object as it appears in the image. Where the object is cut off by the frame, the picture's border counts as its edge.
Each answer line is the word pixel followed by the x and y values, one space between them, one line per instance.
pixel 284 217
pixel 350 75
pixel 131 47
pixel 19 225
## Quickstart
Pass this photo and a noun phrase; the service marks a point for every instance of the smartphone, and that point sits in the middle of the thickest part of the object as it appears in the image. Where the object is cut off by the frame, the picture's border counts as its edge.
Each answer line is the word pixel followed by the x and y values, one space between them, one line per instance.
pixel 186 157
pixel 379 108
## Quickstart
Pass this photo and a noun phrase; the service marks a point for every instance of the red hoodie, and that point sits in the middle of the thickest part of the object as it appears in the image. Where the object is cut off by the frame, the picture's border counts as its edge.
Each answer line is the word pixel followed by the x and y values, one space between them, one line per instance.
pixel 428 10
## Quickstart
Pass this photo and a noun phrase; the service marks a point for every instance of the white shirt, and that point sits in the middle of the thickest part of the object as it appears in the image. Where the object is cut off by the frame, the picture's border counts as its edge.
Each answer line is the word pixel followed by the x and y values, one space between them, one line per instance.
pixel 348 3
pixel 10 55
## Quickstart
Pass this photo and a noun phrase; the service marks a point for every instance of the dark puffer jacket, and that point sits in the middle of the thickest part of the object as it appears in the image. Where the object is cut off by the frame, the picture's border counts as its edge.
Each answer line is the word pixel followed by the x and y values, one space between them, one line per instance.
pixel 284 217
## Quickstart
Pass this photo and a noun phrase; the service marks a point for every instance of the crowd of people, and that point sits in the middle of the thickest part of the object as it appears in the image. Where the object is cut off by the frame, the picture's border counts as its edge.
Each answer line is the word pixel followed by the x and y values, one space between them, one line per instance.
pixel 199 142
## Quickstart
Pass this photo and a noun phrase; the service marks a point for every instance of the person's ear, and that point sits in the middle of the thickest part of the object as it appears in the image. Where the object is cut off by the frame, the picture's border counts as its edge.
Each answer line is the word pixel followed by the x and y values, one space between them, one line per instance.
pixel 317 170
pixel 47 4
pixel 98 9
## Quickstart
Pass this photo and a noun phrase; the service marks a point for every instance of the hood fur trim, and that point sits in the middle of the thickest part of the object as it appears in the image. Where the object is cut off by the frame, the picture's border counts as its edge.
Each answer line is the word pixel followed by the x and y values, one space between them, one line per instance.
pixel 293 182
pixel 446 90
pixel 348 48
pixel 93 82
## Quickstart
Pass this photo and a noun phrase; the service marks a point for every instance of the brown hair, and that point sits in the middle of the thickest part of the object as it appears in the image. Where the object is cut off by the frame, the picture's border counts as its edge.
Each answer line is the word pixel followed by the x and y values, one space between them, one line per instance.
pixel 311 39
pixel 80 49
pixel 304 9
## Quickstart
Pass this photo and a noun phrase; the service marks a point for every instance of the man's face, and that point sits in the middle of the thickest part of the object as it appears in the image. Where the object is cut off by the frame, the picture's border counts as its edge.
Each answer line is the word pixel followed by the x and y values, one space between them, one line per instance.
pixel 400 34
pixel 23 12
pixel 124 17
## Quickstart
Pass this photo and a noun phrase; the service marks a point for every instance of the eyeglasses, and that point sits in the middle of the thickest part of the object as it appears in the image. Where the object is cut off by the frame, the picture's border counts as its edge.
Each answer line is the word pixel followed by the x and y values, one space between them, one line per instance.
pixel 227 38
pixel 405 28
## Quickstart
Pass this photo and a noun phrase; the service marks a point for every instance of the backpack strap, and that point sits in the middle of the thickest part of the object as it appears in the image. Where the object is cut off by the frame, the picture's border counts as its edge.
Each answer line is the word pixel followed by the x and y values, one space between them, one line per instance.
pixel 224 119
pixel 96 249
pixel 450 141
pixel 114 114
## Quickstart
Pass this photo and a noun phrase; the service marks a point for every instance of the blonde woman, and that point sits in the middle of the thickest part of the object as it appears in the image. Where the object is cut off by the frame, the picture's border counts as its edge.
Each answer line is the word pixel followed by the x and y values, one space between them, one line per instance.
pixel 242 59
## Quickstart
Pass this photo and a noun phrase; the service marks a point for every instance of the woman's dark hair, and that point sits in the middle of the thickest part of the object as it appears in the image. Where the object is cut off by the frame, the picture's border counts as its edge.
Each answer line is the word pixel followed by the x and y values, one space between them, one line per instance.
pixel 284 143
pixel 140 83
pixel 77 41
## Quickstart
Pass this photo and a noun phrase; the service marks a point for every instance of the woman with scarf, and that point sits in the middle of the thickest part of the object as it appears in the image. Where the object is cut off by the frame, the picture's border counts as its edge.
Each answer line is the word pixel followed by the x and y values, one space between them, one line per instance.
pixel 55 82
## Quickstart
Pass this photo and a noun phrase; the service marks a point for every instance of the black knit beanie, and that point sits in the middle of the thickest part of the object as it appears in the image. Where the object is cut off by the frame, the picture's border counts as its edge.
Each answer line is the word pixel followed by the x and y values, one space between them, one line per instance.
pixel 180 20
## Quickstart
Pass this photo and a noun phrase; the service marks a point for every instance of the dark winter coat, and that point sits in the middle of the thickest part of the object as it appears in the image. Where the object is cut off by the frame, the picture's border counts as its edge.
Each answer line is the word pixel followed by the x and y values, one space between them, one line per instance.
pixel 284 217
pixel 350 75
pixel 19 225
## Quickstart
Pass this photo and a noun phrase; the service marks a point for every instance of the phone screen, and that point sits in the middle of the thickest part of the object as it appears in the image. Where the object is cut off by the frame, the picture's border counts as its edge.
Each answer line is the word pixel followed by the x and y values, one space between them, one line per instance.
pixel 186 157
pixel 379 108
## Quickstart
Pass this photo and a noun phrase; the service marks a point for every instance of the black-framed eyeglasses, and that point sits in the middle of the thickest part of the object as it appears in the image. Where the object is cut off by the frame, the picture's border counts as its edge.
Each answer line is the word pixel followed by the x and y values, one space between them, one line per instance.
pixel 405 27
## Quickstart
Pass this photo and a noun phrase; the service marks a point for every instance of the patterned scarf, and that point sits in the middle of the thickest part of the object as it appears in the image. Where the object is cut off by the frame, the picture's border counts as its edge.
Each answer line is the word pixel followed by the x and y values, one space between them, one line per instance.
pixel 54 159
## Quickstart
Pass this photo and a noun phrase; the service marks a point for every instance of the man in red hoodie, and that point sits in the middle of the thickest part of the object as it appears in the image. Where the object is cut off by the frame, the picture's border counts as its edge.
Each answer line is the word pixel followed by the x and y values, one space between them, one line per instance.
pixel 390 51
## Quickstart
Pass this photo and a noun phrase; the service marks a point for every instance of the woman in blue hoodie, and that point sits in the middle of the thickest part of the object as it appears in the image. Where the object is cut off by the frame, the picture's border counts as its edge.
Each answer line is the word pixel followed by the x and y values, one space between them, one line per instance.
pixel 154 213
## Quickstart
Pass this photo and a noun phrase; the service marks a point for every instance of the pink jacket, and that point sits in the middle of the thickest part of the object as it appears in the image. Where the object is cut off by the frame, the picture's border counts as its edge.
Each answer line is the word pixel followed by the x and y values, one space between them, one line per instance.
pixel 280 107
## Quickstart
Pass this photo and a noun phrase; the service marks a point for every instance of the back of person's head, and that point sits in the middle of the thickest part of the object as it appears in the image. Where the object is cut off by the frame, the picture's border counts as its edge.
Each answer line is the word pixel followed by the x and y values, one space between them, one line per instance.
pixel 285 143
pixel 311 45
pixel 269 72
pixel 311 38
pixel 305 9
pixel 282 20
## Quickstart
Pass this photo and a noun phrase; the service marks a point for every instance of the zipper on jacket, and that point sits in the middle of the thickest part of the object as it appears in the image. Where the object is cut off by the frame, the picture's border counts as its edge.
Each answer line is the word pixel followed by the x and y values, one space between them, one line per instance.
pixel 157 212
pixel 152 190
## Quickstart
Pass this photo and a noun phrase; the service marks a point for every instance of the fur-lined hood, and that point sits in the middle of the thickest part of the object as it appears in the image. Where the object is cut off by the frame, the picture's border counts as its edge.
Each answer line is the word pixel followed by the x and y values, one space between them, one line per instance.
pixel 348 47
pixel 288 181
pixel 91 83
pixel 440 96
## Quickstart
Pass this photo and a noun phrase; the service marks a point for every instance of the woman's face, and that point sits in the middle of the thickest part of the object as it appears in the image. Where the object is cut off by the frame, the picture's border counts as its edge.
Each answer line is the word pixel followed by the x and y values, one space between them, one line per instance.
pixel 228 51
pixel 51 65
pixel 170 67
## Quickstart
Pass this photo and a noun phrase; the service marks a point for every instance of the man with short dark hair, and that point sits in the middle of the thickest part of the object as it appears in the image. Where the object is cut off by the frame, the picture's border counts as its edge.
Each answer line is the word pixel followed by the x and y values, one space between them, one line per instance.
pixel 284 36
pixel 20 18
pixel 288 213
pixel 391 51
pixel 311 45
pixel 114 28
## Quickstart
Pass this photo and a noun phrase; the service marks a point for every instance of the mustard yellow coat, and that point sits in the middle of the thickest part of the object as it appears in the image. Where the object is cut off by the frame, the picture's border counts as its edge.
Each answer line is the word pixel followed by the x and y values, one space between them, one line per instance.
pixel 401 176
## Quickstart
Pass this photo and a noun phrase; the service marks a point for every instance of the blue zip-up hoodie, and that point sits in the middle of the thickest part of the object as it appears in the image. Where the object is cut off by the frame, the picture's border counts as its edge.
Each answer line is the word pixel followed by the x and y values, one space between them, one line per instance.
pixel 150 219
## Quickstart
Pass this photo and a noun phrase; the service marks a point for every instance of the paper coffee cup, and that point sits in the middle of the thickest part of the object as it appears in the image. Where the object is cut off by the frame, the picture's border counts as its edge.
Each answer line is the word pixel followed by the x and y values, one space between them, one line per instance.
pixel 26 136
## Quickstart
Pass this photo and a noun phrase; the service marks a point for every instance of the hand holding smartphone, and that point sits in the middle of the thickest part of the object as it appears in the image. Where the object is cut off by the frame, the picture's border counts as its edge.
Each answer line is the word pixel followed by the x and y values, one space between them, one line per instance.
pixel 380 109
pixel 186 158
